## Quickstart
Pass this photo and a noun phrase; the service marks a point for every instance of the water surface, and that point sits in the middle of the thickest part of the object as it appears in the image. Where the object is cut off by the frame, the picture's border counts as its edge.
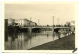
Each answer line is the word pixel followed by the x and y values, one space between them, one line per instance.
pixel 24 40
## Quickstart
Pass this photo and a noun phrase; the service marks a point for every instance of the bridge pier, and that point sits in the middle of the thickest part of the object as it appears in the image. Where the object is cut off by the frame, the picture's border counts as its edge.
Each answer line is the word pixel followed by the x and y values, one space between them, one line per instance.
pixel 29 30
pixel 52 30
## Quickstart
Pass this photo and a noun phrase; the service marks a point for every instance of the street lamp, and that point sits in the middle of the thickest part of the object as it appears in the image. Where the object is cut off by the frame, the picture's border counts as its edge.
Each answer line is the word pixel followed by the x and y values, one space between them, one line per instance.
pixel 58 20
pixel 30 26
pixel 30 22
pixel 53 24
pixel 38 21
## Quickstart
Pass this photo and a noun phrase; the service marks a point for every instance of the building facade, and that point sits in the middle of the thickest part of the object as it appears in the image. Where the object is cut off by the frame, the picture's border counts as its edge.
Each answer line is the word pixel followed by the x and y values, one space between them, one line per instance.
pixel 24 22
pixel 73 26
pixel 11 21
pixel 19 22
pixel 6 23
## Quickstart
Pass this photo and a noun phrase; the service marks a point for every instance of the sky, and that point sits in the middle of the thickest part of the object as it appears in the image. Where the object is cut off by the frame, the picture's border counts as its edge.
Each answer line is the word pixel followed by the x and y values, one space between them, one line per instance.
pixel 42 13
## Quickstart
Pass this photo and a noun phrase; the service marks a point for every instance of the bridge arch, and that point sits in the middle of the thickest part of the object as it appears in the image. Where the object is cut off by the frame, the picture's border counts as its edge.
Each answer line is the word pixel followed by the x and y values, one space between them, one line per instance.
pixel 36 30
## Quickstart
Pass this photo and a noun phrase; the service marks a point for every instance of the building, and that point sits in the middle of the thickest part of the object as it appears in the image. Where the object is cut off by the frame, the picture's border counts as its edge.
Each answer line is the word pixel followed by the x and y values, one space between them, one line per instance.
pixel 11 21
pixel 33 24
pixel 5 23
pixel 24 22
pixel 16 22
pixel 21 22
pixel 73 26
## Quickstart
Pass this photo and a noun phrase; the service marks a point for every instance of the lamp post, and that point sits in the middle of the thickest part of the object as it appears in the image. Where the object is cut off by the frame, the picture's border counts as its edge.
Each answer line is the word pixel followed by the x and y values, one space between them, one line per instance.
pixel 30 22
pixel 38 22
pixel 58 20
pixel 53 25
pixel 30 26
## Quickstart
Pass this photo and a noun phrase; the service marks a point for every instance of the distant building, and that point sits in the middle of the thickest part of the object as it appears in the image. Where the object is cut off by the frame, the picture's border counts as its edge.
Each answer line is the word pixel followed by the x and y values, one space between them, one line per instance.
pixel 16 22
pixel 73 26
pixel 24 22
pixel 5 23
pixel 72 22
pixel 11 21
pixel 19 22
pixel 33 24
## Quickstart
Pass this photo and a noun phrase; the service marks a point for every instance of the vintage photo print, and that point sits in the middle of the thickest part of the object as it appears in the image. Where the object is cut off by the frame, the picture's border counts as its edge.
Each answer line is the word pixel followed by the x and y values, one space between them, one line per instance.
pixel 40 27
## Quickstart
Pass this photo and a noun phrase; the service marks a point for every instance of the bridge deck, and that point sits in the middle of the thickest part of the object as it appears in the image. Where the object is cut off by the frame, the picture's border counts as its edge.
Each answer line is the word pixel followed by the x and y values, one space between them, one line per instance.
pixel 45 27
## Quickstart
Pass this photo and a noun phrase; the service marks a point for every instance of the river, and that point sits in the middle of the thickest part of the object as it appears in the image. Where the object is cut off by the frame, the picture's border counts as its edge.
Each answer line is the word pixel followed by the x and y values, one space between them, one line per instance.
pixel 24 40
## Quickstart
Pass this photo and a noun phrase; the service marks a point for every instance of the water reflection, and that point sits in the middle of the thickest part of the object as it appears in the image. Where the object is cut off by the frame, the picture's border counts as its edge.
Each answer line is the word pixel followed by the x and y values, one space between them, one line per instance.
pixel 24 40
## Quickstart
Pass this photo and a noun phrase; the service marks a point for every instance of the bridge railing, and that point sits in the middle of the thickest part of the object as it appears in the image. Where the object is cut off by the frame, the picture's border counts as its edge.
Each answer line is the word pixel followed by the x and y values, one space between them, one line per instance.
pixel 45 26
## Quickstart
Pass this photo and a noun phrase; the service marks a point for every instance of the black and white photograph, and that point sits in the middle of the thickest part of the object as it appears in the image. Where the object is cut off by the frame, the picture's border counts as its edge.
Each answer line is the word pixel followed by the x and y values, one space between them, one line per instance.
pixel 40 26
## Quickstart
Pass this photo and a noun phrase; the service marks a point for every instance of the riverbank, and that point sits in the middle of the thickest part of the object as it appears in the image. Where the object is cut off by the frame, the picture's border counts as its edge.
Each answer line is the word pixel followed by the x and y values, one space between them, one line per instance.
pixel 66 43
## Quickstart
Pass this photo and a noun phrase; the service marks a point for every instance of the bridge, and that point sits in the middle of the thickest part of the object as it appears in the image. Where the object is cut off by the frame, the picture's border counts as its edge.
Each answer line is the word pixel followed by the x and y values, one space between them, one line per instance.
pixel 45 27
pixel 37 28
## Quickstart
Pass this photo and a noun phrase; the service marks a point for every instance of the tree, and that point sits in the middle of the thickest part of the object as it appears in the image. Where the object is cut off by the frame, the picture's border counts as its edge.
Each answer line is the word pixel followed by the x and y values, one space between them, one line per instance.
pixel 68 23
pixel 65 25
